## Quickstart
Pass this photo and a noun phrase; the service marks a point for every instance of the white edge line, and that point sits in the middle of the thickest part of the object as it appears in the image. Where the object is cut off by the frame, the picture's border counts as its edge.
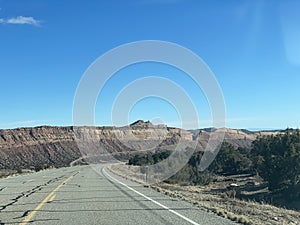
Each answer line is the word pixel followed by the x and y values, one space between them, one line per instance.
pixel 150 199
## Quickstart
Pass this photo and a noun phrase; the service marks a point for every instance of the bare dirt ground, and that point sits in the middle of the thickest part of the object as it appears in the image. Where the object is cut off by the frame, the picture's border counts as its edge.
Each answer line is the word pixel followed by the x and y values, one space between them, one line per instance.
pixel 7 173
pixel 213 198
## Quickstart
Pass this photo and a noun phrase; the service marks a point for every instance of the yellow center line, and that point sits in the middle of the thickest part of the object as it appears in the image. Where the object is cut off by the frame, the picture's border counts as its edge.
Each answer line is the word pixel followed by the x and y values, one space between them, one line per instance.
pixel 50 198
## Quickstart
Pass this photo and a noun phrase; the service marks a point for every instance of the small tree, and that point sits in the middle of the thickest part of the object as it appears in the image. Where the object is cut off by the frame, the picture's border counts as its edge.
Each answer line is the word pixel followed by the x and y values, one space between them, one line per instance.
pixel 278 159
pixel 230 161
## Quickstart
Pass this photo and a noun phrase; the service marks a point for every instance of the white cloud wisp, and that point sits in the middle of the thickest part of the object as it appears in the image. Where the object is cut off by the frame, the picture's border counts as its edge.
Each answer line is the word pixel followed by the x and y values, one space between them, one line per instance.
pixel 21 20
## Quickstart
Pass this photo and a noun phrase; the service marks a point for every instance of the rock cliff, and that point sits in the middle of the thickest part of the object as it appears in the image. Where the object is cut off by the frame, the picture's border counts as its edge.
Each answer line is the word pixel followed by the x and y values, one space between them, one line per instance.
pixel 25 148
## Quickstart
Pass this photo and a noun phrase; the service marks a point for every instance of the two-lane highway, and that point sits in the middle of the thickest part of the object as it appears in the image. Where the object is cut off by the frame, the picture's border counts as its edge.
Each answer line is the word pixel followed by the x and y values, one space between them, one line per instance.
pixel 80 195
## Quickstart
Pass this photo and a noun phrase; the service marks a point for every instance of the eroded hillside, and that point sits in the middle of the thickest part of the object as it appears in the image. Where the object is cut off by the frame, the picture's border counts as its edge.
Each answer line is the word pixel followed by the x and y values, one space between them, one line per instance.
pixel 57 146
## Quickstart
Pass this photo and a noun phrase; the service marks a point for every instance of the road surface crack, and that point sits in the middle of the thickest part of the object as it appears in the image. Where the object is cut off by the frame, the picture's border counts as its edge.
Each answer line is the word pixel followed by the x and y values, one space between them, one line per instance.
pixel 29 192
pixel 24 214
pixel 1 189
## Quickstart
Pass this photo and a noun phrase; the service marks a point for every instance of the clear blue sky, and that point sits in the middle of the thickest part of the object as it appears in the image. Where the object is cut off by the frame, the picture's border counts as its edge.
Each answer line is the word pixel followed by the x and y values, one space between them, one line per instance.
pixel 252 47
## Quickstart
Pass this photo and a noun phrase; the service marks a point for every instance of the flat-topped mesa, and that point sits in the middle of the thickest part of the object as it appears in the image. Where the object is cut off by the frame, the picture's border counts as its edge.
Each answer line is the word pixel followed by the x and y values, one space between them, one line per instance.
pixel 58 146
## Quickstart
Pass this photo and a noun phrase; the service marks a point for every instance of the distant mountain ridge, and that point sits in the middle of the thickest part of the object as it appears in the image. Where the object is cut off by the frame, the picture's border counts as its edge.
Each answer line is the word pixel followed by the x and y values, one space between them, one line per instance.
pixel 56 146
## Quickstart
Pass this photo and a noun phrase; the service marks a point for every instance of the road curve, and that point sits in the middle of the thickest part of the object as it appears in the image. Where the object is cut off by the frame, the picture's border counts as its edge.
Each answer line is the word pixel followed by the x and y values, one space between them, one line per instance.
pixel 83 195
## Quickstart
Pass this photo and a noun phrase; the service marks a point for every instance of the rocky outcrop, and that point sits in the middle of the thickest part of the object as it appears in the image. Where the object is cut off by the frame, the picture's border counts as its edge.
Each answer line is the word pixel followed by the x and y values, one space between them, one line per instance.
pixel 26 148
pixel 58 146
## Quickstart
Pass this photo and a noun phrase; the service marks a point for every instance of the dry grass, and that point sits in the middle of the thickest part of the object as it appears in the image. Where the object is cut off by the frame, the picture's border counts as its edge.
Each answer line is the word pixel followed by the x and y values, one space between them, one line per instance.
pixel 244 212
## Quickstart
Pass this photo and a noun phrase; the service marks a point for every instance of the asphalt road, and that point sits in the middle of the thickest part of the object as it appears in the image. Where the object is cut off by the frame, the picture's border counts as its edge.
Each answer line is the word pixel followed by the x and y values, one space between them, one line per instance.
pixel 80 195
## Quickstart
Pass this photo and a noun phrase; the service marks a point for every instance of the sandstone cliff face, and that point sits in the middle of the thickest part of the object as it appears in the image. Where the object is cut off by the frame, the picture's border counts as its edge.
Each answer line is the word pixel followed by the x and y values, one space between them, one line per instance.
pixel 39 146
pixel 59 146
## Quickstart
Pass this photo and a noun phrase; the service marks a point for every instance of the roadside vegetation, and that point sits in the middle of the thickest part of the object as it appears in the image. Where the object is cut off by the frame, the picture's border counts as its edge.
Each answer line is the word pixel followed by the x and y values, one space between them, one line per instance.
pixel 270 167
